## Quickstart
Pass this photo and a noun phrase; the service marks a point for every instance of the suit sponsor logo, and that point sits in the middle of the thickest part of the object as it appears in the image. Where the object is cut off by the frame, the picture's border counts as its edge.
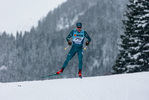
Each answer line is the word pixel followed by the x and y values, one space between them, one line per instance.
pixel 78 35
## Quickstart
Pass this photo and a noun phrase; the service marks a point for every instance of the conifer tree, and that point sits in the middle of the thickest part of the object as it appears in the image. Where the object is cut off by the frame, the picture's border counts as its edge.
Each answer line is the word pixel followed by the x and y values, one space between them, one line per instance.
pixel 134 53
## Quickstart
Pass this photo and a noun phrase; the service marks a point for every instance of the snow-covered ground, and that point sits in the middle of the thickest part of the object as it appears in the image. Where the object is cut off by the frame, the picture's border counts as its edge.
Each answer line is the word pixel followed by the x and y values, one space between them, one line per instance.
pixel 114 87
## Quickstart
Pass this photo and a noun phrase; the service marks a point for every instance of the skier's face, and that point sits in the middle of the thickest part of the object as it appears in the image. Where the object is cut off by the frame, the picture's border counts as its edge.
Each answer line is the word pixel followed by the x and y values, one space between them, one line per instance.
pixel 79 29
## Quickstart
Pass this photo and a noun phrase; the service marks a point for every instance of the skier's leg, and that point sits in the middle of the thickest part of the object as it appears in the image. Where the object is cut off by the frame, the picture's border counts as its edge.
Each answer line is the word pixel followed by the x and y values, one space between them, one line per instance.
pixel 80 56
pixel 69 56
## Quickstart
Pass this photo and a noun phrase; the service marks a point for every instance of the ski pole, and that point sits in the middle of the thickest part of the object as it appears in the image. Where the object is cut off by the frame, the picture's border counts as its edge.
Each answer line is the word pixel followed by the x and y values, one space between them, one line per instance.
pixel 85 47
pixel 66 47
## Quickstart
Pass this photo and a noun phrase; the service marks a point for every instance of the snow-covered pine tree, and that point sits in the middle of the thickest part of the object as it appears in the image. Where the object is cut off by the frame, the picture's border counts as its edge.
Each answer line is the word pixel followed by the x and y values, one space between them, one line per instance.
pixel 134 49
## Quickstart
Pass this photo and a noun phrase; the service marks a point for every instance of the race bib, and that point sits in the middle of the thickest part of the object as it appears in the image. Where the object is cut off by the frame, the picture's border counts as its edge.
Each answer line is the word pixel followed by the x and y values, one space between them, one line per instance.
pixel 78 40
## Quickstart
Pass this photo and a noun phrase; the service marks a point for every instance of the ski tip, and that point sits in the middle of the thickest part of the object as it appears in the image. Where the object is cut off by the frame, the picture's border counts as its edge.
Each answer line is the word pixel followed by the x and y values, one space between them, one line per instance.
pixel 43 77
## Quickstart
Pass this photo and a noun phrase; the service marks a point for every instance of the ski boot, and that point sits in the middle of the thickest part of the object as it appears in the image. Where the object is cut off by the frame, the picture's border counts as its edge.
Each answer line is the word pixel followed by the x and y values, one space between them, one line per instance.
pixel 80 75
pixel 59 72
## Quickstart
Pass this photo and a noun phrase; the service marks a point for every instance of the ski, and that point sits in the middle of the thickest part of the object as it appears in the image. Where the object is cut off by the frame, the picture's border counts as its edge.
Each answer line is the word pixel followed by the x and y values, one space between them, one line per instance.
pixel 51 75
pixel 56 75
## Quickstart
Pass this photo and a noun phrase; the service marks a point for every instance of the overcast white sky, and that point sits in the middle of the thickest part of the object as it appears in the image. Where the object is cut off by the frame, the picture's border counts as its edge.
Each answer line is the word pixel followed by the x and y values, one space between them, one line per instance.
pixel 22 14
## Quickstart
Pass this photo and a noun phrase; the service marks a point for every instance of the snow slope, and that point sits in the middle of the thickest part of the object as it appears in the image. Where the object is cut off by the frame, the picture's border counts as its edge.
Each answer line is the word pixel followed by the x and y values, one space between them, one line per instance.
pixel 114 87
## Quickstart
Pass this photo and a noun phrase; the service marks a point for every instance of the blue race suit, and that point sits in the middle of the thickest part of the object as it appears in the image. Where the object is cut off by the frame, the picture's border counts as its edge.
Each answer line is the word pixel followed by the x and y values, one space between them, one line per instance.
pixel 77 47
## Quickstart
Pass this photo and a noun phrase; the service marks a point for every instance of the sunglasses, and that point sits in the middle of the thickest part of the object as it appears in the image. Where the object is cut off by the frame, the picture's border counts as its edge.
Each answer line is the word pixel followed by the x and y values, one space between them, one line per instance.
pixel 79 27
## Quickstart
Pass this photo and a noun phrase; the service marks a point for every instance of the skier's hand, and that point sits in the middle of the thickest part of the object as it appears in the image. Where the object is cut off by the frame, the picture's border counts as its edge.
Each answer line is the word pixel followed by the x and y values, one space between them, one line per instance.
pixel 69 43
pixel 87 43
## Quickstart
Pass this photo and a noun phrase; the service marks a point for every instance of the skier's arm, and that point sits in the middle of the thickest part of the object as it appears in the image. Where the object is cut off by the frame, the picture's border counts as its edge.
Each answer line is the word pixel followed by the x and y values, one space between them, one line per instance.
pixel 69 36
pixel 87 36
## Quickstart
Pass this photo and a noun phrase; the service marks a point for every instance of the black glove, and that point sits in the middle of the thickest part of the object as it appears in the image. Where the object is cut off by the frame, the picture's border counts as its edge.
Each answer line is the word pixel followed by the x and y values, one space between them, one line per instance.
pixel 69 43
pixel 87 43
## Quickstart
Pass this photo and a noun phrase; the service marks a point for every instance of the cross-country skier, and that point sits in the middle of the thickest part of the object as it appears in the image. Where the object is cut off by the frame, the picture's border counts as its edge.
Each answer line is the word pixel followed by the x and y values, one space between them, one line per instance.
pixel 78 36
